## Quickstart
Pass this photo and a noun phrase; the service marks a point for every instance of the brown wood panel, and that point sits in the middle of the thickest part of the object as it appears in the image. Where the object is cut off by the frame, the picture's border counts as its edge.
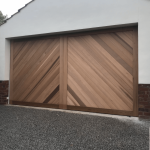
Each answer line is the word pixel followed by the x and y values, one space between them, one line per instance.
pixel 36 60
pixel 35 70
pixel 29 52
pixel 123 36
pixel 87 72
pixel 99 53
pixel 23 52
pixel 101 68
pixel 17 47
pixel 55 98
pixel 63 73
pixel 117 48
pixel 94 71
pixel 122 42
pixel 88 85
pixel 11 71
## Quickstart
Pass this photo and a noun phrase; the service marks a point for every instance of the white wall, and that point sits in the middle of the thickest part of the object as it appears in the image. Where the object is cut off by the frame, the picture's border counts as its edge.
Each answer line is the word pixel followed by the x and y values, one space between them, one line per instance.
pixel 144 41
pixel 49 16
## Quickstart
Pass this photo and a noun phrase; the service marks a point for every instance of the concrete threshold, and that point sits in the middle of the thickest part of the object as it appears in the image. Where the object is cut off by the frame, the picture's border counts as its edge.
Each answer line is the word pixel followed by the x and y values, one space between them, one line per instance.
pixel 81 112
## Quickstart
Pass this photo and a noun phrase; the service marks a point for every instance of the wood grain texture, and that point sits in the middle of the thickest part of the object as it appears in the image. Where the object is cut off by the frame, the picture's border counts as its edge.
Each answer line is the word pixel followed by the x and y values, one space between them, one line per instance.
pixel 63 72
pixel 93 71
pixel 11 72
pixel 35 70
pixel 100 71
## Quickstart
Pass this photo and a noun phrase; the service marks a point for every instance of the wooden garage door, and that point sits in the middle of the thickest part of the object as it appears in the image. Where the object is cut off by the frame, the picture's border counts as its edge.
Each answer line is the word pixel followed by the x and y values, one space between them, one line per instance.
pixel 36 70
pixel 94 71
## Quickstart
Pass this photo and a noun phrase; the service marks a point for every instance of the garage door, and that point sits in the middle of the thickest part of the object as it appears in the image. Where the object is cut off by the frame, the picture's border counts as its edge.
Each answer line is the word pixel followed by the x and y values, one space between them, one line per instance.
pixel 91 71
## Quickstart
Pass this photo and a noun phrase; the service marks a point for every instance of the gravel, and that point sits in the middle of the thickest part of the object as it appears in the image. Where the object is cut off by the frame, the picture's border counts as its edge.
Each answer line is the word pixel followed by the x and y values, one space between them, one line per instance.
pixel 35 129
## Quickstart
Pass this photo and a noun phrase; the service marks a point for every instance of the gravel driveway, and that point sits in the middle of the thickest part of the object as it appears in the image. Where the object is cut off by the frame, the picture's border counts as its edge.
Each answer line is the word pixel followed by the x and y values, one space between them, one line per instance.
pixel 36 129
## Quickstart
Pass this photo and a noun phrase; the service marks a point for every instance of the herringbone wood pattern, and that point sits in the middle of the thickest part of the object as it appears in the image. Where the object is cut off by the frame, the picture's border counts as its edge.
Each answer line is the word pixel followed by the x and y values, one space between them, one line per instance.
pixel 100 71
pixel 93 71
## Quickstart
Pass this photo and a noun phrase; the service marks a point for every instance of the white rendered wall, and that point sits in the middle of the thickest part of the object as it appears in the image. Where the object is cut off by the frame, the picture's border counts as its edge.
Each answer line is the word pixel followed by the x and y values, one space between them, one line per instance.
pixel 49 16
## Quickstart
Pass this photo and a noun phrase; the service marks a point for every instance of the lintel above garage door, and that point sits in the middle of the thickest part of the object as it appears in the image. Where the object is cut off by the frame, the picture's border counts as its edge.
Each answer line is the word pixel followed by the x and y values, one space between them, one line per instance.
pixel 91 71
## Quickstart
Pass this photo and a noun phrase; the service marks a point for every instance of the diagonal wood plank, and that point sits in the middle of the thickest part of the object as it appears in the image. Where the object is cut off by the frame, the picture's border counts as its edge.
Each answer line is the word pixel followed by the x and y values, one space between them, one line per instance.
pixel 95 98
pixel 96 84
pixel 122 42
pixel 95 79
pixel 54 68
pixel 49 87
pixel 83 98
pixel 113 54
pixel 71 100
pixel 98 54
pixel 17 48
pixel 22 52
pixel 125 38
pixel 99 69
pixel 129 34
pixel 35 66
pixel 118 48
pixel 85 44
pixel 40 53
pixel 38 70
pixel 55 99
pixel 26 58
pixel 103 74
pixel 52 95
